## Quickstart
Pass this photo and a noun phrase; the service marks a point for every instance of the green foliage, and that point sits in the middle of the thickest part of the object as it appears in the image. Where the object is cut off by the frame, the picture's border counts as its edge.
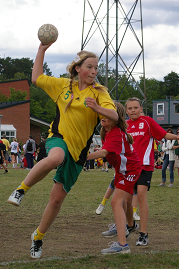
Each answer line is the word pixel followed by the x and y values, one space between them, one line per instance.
pixel 9 67
pixel 17 95
pixel 3 98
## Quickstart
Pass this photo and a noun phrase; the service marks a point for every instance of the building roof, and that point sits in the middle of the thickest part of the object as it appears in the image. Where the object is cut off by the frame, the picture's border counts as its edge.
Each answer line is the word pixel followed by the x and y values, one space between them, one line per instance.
pixel 38 122
pixel 13 103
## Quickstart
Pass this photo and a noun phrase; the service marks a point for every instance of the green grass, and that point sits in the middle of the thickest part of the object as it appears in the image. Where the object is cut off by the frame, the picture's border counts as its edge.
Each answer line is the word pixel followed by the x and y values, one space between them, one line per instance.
pixel 78 213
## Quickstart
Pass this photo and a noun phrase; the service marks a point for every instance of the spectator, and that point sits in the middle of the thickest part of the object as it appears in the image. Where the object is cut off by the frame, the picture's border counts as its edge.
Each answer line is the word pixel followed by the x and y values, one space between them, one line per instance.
pixel 41 149
pixel 7 144
pixel 29 151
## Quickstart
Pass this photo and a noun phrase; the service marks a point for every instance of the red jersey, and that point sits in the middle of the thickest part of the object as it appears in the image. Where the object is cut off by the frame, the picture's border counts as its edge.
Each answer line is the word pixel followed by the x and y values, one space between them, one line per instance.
pixel 122 155
pixel 143 131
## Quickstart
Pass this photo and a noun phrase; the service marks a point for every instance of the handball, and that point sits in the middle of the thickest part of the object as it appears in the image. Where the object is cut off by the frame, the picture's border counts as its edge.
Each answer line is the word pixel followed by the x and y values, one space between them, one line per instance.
pixel 47 33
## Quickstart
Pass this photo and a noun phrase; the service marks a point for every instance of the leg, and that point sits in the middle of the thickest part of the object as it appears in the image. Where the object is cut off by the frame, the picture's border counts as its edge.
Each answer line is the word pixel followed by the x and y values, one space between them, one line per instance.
pixel 42 168
pixel 143 207
pixel 164 167
pixel 57 197
pixel 119 214
pixel 171 167
pixel 129 211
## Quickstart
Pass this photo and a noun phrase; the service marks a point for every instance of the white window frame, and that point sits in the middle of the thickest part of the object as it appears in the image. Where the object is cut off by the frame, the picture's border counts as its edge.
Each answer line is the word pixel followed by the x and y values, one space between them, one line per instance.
pixel 159 105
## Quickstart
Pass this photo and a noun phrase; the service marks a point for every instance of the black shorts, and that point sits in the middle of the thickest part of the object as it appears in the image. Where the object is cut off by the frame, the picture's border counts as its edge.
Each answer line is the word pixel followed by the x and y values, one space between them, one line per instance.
pixel 12 153
pixel 144 179
pixel 104 160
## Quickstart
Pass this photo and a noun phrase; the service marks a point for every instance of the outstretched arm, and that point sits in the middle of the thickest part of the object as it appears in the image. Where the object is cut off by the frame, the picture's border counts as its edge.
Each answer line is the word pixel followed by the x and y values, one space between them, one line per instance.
pixel 98 154
pixel 38 64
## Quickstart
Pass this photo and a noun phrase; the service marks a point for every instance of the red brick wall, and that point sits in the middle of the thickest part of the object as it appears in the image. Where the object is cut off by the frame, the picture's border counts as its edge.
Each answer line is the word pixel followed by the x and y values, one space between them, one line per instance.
pixel 35 132
pixel 19 117
pixel 22 85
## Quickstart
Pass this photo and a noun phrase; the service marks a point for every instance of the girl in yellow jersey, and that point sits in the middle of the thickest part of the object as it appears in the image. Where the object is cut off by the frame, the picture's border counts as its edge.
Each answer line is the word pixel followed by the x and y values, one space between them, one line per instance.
pixel 80 105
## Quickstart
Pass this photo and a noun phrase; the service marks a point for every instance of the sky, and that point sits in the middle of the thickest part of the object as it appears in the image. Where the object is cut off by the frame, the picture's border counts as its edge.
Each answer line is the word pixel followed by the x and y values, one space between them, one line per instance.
pixel 21 19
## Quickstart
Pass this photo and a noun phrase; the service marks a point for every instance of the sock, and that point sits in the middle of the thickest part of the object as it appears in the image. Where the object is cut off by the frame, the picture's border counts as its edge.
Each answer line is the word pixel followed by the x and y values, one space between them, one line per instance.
pixel 134 210
pixel 24 187
pixel 104 201
pixel 38 235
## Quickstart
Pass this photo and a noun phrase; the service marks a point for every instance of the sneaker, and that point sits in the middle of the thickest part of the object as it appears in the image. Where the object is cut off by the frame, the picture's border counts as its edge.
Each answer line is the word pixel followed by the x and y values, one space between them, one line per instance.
pixel 99 210
pixel 102 169
pixel 162 185
pixel 6 171
pixel 143 240
pixel 116 248
pixel 132 229
pixel 36 247
pixel 16 197
pixel 135 216
pixel 106 170
pixel 113 231
pixel 170 185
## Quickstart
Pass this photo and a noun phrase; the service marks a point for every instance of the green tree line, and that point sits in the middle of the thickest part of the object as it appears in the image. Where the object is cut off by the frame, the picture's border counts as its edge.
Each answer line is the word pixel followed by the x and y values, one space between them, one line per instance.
pixel 43 107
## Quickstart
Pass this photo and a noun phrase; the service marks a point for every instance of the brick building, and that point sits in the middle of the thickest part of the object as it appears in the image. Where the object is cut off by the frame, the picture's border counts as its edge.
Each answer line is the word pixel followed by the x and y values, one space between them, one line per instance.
pixel 15 117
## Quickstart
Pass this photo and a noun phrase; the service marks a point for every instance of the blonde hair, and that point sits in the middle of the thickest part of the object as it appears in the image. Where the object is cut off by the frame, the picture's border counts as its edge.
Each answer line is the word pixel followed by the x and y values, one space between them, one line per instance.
pixel 78 61
pixel 121 123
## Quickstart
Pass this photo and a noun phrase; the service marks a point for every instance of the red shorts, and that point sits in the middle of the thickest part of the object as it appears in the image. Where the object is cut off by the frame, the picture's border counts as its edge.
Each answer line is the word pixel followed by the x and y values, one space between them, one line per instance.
pixel 126 182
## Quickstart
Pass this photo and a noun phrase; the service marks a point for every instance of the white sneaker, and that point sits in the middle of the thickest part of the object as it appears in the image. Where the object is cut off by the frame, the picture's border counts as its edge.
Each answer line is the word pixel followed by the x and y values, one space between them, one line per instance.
pixel 170 185
pixel 135 216
pixel 99 210
pixel 16 197
pixel 36 247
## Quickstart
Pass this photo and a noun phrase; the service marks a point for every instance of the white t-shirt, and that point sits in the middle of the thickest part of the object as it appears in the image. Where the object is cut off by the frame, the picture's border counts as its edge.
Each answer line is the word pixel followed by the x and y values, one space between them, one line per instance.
pixel 14 146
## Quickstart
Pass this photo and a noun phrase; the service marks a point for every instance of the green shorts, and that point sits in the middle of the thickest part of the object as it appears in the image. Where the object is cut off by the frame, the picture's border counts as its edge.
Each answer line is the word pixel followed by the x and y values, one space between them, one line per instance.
pixel 68 172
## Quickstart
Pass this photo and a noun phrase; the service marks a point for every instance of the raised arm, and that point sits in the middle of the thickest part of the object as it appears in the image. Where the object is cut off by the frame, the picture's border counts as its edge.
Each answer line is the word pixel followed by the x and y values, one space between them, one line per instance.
pixel 38 64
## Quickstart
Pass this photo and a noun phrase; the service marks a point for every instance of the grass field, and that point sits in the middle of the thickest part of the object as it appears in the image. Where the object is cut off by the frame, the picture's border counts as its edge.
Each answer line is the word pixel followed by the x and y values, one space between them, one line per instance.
pixel 74 240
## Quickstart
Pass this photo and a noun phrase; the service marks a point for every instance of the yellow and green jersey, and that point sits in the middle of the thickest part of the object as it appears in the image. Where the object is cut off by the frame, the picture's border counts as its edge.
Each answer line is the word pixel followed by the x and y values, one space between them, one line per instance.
pixel 78 123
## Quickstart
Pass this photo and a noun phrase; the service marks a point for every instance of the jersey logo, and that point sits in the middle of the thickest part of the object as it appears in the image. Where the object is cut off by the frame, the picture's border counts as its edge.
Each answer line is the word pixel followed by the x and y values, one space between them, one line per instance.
pixel 122 182
pixel 141 125
pixel 133 126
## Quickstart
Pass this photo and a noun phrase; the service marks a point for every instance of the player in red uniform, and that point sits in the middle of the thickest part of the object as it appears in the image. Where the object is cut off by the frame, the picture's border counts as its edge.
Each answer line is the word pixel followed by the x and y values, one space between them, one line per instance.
pixel 117 148
pixel 143 130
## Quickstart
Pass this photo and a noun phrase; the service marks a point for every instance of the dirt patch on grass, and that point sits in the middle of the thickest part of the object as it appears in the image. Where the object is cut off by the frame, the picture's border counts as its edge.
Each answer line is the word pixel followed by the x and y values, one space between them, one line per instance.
pixel 79 236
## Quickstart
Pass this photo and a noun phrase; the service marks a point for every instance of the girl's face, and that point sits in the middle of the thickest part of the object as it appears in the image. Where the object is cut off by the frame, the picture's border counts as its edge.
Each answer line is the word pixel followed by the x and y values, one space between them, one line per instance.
pixel 106 123
pixel 88 70
pixel 133 109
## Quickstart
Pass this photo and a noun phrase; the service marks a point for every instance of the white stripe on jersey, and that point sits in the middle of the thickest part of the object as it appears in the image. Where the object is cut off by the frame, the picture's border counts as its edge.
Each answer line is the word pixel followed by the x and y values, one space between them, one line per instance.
pixel 146 159
pixel 123 160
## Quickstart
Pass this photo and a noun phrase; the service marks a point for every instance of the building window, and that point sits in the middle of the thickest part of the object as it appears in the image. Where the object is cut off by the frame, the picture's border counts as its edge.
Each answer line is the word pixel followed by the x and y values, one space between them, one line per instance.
pixel 160 109
pixel 177 108
pixel 9 135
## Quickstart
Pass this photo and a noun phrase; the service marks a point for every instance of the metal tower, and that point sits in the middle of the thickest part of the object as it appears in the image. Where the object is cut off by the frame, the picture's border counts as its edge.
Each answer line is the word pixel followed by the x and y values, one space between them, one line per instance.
pixel 116 39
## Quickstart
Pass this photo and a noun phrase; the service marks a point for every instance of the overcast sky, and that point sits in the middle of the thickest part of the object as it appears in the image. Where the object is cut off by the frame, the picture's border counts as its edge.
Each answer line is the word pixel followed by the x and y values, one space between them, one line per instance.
pixel 21 19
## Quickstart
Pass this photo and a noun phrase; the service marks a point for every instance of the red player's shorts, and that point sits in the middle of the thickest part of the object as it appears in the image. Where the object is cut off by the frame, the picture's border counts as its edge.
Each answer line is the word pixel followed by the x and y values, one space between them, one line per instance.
pixel 126 182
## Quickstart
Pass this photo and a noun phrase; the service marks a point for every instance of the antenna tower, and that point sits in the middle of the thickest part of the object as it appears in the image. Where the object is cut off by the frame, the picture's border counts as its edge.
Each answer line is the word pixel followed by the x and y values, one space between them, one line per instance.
pixel 112 29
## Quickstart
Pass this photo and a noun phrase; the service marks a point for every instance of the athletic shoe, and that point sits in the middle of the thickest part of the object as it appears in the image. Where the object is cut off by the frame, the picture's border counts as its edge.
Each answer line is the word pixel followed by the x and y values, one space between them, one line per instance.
pixel 143 240
pixel 106 170
pixel 170 185
pixel 16 197
pixel 116 248
pixel 6 171
pixel 36 247
pixel 135 216
pixel 162 185
pixel 99 210
pixel 132 229
pixel 113 231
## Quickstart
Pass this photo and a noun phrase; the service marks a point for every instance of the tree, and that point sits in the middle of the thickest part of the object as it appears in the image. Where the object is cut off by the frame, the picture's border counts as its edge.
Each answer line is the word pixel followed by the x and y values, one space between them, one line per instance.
pixel 17 95
pixel 171 84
